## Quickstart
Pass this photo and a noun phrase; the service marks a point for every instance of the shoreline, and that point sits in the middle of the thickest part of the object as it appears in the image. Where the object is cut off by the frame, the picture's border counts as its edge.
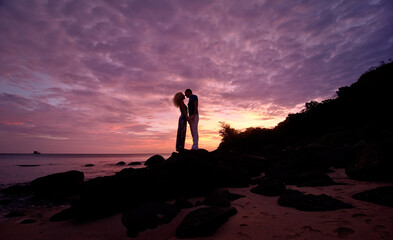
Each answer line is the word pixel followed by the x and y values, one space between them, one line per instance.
pixel 258 217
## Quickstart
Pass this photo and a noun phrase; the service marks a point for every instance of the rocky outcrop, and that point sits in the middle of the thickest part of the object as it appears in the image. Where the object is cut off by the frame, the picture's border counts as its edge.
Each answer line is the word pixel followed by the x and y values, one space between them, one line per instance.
pixel 269 186
pixel 147 216
pixel 310 202
pixel 381 196
pixel 220 198
pixel 373 162
pixel 58 186
pixel 181 176
pixel 204 221
pixel 154 161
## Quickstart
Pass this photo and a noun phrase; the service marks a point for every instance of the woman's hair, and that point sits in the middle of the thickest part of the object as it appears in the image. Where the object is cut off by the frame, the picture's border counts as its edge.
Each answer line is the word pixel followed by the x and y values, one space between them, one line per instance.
pixel 178 98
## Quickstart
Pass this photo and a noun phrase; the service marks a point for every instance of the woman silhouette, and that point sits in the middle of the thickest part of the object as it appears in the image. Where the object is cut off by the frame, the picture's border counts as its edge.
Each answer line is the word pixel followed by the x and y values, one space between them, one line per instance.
pixel 182 126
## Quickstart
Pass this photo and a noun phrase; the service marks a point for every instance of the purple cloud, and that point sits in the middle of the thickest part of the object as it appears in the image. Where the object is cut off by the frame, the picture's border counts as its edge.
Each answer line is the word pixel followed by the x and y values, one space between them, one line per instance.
pixel 81 71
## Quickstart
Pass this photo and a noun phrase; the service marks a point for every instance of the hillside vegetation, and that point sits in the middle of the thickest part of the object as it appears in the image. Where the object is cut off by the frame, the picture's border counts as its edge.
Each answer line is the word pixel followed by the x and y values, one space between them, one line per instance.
pixel 357 123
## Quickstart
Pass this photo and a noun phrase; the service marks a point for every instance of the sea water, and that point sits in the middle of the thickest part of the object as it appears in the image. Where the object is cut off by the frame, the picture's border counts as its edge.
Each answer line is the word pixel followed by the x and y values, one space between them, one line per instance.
pixel 23 168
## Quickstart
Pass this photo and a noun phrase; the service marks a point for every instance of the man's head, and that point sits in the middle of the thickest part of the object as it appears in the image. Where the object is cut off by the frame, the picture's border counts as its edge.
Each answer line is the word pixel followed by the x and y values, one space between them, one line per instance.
pixel 188 93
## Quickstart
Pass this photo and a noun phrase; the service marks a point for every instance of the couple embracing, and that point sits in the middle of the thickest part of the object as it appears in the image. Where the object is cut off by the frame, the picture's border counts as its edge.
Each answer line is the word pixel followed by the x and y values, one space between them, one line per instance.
pixel 191 116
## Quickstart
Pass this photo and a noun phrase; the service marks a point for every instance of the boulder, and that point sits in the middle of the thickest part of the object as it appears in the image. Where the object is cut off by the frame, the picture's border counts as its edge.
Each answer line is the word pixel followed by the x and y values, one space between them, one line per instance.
pixel 315 178
pixel 66 214
pixel 134 164
pixel 269 186
pixel 89 165
pixel 310 202
pixel 121 163
pixel 220 198
pixel 28 221
pixel 15 214
pixel 149 215
pixel 381 196
pixel 373 162
pixel 204 221
pixel 5 201
pixel 154 161
pixel 58 185
pixel 18 189
pixel 183 203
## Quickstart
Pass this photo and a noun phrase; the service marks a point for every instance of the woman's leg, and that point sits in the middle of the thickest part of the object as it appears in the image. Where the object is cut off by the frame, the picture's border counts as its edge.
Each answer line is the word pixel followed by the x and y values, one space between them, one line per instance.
pixel 181 133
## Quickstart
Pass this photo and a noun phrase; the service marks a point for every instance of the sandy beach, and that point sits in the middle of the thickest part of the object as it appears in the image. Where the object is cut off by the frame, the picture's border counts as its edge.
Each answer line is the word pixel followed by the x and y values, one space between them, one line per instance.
pixel 258 217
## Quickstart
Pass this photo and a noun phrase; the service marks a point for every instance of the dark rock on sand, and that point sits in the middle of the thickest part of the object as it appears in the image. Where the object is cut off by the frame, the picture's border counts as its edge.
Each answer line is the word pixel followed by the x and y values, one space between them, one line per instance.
pixel 66 214
pixel 220 198
pixel 381 196
pixel 310 202
pixel 15 214
pixel 183 203
pixel 204 222
pixel 154 161
pixel 149 215
pixel 5 201
pixel 183 175
pixel 269 186
pixel 121 163
pixel 315 178
pixel 373 162
pixel 28 221
pixel 59 185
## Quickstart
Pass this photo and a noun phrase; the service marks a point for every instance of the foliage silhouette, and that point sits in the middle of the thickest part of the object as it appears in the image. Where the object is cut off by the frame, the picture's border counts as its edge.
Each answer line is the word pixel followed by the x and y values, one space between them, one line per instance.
pixel 360 112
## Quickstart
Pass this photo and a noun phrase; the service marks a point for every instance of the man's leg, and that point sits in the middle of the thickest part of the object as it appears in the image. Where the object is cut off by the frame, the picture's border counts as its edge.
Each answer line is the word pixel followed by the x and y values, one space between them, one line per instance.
pixel 194 131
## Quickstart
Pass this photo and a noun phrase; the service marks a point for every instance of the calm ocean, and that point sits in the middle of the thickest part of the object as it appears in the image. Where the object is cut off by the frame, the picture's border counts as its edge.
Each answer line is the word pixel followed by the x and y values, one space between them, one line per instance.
pixel 23 168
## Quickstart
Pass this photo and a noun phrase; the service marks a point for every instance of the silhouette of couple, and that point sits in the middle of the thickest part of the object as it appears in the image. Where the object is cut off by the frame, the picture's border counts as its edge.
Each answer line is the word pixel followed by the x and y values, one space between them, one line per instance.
pixel 192 117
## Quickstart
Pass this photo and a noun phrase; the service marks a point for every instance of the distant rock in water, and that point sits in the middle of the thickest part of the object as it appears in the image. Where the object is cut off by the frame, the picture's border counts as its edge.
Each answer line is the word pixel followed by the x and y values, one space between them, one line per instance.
pixel 28 165
pixel 36 152
pixel 89 165
pixel 121 163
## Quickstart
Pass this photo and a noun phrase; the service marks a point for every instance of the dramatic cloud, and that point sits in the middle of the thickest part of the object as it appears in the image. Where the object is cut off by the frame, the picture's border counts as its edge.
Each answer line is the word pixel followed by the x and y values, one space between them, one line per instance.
pixel 98 76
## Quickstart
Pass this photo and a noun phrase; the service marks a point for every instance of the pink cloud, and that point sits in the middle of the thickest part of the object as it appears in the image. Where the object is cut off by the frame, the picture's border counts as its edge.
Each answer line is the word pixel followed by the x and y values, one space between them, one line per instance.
pixel 74 71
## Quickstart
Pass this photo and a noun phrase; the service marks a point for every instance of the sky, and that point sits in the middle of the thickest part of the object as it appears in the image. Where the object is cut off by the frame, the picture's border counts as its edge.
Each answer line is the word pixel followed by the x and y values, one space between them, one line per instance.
pixel 98 76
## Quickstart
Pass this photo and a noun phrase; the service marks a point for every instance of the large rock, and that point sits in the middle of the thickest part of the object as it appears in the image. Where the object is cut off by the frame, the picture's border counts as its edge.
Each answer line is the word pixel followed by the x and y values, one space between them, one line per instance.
pixel 269 186
pixel 181 176
pixel 381 195
pixel 310 202
pixel 315 178
pixel 373 162
pixel 154 161
pixel 58 185
pixel 148 215
pixel 204 222
pixel 220 198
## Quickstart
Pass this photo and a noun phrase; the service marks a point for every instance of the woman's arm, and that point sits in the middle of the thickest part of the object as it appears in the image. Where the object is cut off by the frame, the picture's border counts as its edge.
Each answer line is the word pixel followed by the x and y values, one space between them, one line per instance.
pixel 183 110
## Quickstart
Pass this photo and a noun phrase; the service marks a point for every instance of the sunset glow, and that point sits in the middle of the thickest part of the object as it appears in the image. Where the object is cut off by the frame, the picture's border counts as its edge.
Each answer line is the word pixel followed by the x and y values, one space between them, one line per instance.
pixel 99 76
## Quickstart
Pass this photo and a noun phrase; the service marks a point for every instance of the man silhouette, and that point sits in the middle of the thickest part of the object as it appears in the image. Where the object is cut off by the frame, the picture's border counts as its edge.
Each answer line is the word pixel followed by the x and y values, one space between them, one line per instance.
pixel 193 117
